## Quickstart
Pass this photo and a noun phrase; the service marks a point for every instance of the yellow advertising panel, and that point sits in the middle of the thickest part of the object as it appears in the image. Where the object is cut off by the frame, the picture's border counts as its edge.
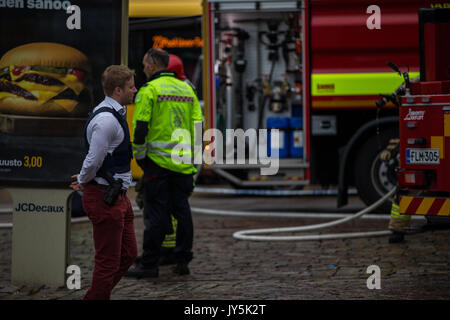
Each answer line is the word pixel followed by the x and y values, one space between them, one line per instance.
pixel 136 171
pixel 166 8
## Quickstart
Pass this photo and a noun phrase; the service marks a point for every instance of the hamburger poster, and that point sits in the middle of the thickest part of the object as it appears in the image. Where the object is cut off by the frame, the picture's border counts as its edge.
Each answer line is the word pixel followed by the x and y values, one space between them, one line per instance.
pixel 52 54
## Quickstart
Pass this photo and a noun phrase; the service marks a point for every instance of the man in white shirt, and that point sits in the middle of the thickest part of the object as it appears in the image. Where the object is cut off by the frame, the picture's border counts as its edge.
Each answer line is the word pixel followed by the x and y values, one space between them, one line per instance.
pixel 108 156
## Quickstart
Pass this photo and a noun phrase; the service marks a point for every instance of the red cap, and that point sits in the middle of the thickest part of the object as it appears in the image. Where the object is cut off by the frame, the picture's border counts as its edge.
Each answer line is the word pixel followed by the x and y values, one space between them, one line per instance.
pixel 175 64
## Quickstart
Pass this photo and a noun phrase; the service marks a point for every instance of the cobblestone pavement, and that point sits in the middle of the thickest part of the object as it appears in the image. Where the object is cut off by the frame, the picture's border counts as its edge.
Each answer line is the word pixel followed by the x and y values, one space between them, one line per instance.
pixel 226 268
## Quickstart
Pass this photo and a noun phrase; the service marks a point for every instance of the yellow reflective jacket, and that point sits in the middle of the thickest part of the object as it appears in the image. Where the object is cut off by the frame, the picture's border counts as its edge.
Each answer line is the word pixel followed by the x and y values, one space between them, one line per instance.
pixel 164 122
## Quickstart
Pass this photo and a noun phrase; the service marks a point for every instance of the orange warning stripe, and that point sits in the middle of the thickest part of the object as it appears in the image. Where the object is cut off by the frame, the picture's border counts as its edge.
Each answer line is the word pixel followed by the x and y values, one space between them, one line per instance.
pixel 425 206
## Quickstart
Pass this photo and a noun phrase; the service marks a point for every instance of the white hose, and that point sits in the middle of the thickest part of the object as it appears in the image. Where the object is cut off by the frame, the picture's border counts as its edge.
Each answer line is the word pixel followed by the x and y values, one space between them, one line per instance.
pixel 244 234
pixel 307 215
pixel 271 193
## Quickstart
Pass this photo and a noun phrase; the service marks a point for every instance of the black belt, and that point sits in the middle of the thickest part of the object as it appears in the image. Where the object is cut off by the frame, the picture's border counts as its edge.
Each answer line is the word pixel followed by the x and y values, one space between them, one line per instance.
pixel 104 186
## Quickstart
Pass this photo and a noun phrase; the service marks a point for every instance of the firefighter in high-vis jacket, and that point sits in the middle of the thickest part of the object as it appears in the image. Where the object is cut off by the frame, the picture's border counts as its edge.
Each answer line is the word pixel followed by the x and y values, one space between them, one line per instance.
pixel 398 223
pixel 168 245
pixel 165 120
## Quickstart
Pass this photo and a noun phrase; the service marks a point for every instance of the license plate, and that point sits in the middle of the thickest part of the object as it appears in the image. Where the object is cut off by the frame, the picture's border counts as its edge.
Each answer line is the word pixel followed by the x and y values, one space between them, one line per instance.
pixel 422 156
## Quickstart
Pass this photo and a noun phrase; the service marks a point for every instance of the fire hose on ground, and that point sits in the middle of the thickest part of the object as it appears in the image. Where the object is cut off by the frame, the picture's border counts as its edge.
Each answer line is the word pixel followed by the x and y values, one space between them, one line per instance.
pixel 251 234
pixel 246 234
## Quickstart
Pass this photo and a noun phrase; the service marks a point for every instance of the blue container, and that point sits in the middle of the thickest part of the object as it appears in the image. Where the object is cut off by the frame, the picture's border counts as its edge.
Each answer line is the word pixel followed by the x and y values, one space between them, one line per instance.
pixel 296 137
pixel 282 124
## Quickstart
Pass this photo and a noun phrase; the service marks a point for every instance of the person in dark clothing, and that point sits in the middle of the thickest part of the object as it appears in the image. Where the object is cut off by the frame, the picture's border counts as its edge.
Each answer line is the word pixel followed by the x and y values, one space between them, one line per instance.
pixel 164 106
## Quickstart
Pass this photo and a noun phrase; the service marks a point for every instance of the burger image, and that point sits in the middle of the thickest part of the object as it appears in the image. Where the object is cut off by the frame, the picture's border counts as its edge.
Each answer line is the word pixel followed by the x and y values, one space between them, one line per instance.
pixel 44 79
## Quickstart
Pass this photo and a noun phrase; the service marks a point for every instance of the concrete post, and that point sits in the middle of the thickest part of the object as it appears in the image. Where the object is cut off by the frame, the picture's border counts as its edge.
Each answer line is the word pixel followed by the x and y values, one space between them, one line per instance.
pixel 40 236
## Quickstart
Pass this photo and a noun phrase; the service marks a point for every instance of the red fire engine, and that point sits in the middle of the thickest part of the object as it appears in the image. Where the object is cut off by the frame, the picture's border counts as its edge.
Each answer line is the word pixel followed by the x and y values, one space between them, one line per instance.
pixel 424 175
pixel 314 70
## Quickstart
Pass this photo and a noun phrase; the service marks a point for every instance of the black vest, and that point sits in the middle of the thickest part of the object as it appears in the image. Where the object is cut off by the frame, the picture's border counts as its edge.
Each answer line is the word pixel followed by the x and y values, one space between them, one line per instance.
pixel 119 161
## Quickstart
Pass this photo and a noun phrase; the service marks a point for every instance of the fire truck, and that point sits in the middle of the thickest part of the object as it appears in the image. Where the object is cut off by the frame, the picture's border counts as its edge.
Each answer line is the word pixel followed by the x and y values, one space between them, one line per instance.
pixel 424 117
pixel 313 70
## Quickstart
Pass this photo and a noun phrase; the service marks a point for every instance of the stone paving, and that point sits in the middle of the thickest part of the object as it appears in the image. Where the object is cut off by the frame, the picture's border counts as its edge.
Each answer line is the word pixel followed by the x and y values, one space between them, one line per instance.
pixel 226 268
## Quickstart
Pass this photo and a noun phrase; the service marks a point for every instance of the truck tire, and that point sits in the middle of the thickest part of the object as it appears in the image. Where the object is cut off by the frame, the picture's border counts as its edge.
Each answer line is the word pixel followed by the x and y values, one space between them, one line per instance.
pixel 373 177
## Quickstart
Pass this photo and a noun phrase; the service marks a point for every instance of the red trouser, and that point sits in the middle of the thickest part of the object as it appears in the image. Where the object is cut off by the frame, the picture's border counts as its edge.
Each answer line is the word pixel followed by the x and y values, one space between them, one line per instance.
pixel 114 240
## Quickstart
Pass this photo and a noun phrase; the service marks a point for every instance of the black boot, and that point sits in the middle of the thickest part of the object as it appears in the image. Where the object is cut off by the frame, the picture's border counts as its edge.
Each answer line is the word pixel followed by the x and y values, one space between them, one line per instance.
pixel 396 237
pixel 138 260
pixel 142 272
pixel 181 268
pixel 166 259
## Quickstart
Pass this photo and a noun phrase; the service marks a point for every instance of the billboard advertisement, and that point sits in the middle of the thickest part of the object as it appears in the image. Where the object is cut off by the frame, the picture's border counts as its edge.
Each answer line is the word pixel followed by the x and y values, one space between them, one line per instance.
pixel 52 55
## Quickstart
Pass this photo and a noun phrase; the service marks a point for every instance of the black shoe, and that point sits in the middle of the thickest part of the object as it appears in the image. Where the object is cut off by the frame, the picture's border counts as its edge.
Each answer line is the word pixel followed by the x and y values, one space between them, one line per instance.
pixel 396 237
pixel 141 272
pixel 138 260
pixel 181 269
pixel 163 261
pixel 167 260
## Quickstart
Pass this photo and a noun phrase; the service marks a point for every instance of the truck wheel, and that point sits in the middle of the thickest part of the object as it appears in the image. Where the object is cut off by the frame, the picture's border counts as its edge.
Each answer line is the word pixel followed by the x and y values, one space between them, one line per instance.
pixel 373 177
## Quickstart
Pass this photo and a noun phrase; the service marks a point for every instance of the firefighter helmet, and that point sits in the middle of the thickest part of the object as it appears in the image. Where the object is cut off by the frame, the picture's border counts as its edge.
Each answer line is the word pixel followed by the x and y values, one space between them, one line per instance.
pixel 175 64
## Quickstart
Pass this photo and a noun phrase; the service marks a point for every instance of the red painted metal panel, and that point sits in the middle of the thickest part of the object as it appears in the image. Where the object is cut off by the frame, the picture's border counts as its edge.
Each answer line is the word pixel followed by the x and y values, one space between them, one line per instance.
pixel 437 59
pixel 306 86
pixel 429 122
pixel 347 102
pixel 212 102
pixel 341 41
pixel 426 121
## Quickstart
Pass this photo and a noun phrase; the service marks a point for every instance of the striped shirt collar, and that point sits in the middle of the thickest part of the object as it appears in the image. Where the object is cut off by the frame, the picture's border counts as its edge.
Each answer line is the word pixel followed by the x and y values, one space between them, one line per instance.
pixel 115 105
